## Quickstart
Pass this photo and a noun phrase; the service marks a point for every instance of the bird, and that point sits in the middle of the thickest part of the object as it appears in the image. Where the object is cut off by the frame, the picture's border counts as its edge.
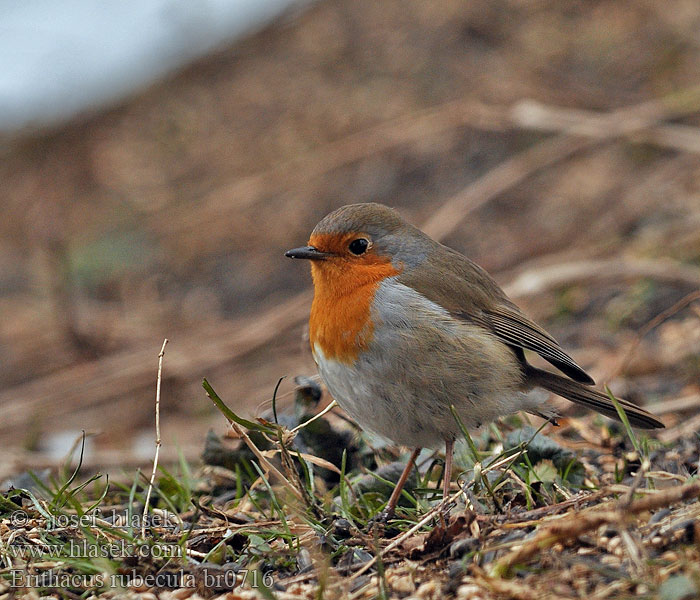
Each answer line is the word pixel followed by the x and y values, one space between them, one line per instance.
pixel 403 328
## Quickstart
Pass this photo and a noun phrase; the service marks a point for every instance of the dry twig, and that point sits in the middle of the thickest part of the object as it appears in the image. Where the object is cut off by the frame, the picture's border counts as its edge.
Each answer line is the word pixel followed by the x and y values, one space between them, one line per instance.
pixel 574 525
pixel 158 441
pixel 639 123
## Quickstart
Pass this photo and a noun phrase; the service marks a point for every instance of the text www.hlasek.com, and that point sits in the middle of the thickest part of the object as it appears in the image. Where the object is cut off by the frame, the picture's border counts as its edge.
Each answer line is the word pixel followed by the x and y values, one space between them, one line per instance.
pixel 84 549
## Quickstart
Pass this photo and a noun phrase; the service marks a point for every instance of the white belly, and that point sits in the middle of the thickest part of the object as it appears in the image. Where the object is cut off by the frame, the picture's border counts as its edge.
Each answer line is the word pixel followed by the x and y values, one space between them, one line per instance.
pixel 359 393
pixel 419 362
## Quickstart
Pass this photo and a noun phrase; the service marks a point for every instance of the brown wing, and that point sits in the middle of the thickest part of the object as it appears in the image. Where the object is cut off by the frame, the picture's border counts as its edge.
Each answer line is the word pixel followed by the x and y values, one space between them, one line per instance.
pixel 592 399
pixel 469 292
pixel 516 329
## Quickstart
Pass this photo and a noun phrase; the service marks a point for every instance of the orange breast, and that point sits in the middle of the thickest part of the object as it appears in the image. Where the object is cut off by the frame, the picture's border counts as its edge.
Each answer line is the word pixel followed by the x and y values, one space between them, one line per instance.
pixel 344 288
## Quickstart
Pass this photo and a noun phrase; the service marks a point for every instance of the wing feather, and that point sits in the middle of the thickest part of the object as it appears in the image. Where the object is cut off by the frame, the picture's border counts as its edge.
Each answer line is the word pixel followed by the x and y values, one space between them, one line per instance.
pixel 517 330
pixel 469 292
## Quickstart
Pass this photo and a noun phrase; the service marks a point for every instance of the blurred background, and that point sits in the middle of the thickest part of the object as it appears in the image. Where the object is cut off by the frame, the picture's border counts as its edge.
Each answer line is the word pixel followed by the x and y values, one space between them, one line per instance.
pixel 158 158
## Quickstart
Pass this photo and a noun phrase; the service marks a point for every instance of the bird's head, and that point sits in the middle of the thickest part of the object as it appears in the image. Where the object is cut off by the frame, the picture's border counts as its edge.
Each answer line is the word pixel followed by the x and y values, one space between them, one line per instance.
pixel 359 244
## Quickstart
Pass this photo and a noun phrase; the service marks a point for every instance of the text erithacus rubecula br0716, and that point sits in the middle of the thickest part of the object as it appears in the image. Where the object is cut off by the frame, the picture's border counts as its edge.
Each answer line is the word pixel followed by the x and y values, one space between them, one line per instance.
pixel 402 327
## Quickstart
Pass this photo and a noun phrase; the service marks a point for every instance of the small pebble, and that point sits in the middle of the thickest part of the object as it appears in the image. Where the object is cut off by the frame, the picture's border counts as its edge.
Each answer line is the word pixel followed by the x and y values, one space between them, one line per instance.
pixel 402 584
pixel 469 591
pixel 304 562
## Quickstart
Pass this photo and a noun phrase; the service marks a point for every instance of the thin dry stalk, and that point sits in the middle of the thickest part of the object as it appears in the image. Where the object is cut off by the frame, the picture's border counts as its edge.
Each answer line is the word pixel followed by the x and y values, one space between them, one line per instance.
pixel 293 474
pixel 266 465
pixel 158 440
pixel 328 408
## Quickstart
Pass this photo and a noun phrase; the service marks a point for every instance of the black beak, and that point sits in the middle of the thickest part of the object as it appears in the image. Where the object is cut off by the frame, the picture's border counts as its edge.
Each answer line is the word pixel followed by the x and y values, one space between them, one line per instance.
pixel 308 252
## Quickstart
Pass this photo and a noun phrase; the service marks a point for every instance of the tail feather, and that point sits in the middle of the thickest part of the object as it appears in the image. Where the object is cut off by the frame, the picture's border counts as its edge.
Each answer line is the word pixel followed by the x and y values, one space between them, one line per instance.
pixel 593 399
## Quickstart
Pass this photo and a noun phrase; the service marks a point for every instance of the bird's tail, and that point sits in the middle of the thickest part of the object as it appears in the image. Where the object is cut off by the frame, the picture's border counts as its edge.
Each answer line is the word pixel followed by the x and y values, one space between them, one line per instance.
pixel 593 399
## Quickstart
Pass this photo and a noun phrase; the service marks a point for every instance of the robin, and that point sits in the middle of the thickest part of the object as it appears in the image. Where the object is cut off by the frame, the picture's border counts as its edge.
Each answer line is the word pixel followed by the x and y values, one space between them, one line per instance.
pixel 402 327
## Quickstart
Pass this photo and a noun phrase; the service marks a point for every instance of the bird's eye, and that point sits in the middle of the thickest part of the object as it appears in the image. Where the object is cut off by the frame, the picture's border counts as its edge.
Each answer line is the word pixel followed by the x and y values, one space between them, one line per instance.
pixel 359 246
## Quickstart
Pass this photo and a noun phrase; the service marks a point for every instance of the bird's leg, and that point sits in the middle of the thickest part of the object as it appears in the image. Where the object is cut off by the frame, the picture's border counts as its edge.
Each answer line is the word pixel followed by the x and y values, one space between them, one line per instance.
pixel 388 512
pixel 447 475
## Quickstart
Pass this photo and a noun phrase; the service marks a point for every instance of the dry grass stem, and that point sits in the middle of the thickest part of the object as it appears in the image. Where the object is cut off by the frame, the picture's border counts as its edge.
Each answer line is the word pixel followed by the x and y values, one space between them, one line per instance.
pixel 266 465
pixel 161 354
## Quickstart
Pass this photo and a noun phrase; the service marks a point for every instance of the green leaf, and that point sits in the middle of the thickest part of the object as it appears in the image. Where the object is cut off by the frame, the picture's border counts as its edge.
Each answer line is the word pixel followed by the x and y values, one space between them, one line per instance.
pixel 229 414
pixel 545 471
